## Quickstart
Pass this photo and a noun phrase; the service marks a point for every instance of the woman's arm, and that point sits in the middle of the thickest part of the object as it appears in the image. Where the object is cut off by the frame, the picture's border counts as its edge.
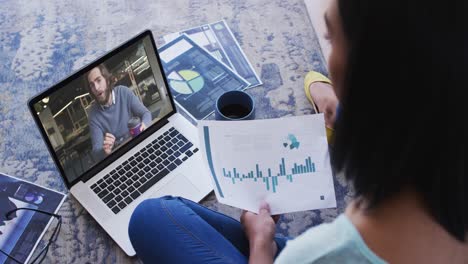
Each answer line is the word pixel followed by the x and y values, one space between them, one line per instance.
pixel 260 231
pixel 262 252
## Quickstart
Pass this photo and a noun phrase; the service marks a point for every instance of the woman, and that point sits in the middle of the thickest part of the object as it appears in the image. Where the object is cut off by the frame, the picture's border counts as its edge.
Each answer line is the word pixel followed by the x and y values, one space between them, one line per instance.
pixel 395 66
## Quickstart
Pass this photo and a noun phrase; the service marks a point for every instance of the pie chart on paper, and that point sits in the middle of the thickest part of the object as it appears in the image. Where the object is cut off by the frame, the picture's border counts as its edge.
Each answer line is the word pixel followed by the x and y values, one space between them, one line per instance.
pixel 186 81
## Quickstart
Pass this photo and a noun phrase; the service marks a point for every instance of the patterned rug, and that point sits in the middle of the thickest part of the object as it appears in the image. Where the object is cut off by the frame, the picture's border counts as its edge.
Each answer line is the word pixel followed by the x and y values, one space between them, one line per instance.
pixel 44 41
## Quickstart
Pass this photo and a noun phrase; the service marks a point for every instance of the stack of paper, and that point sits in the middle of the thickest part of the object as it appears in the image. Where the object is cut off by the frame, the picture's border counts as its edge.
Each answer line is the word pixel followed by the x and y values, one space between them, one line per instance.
pixel 202 63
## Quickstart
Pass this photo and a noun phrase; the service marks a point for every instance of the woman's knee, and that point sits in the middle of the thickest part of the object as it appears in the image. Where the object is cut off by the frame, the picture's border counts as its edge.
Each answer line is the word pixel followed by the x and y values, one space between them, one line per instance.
pixel 148 213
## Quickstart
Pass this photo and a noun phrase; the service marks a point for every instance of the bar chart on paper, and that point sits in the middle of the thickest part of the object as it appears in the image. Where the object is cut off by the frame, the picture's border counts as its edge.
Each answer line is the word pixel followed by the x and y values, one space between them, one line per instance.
pixel 279 161
pixel 271 179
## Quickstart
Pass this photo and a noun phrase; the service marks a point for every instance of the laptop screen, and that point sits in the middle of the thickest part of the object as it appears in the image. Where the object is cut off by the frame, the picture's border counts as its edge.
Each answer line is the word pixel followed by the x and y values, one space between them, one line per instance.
pixel 104 107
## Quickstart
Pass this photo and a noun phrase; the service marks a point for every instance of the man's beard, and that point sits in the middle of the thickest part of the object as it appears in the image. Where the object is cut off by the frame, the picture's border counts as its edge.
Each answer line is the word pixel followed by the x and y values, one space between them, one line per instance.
pixel 106 97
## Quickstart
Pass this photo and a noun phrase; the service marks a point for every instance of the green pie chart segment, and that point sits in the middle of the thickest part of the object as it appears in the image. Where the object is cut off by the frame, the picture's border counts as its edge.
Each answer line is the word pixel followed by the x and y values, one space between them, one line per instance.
pixel 197 84
pixel 186 81
pixel 188 74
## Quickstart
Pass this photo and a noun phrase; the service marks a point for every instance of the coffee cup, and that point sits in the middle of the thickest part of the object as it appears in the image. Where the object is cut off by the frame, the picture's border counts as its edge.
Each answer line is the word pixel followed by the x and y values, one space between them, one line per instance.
pixel 134 126
pixel 235 105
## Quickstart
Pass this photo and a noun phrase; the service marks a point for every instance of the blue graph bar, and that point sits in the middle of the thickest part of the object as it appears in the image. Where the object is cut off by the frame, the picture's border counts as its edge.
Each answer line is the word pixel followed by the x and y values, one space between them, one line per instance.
pixel 267 180
pixel 274 183
pixel 210 160
pixel 283 167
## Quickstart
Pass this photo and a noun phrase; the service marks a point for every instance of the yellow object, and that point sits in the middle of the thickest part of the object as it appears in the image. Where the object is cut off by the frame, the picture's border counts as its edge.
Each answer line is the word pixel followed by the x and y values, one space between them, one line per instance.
pixel 310 78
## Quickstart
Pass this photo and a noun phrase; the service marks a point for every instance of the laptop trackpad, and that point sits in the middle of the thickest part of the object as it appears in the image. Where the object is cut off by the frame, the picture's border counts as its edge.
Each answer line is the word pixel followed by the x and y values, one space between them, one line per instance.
pixel 178 186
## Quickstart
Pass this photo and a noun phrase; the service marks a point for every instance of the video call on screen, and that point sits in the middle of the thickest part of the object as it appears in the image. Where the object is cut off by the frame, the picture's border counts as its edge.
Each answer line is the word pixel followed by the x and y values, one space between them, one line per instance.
pixel 96 113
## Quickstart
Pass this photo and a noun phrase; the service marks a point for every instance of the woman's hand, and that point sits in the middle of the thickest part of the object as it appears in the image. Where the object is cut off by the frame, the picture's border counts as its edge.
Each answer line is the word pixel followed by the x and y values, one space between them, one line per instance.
pixel 260 231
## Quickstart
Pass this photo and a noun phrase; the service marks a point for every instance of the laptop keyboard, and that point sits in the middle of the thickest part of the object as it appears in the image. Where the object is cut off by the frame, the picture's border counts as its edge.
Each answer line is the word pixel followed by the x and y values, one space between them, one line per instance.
pixel 141 171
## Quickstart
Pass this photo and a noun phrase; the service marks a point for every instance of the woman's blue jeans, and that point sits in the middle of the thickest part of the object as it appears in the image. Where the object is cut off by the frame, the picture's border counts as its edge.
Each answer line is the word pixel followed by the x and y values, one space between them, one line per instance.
pixel 176 230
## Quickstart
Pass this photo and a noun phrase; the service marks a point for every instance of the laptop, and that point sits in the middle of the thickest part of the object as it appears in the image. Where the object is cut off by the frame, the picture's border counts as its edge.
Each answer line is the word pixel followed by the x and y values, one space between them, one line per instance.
pixel 116 137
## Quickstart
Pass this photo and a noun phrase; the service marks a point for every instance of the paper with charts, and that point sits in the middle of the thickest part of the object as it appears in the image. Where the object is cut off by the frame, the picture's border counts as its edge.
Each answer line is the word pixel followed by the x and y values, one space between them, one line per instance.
pixel 218 39
pixel 195 77
pixel 284 162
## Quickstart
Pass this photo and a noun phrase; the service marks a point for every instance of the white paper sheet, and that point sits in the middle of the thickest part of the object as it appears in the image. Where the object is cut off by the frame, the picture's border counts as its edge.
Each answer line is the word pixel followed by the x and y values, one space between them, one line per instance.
pixel 284 162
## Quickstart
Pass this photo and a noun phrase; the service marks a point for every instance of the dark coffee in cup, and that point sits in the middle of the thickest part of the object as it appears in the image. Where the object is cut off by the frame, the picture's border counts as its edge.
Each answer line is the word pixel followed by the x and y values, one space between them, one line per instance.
pixel 235 111
pixel 235 105
pixel 134 126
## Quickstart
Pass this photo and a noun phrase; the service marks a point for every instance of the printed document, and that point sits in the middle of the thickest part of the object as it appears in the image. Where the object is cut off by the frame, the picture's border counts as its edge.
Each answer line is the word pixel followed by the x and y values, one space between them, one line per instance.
pixel 284 162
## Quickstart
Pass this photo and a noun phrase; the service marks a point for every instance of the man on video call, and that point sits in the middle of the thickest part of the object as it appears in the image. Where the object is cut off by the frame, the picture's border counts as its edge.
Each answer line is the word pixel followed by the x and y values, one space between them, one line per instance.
pixel 109 115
